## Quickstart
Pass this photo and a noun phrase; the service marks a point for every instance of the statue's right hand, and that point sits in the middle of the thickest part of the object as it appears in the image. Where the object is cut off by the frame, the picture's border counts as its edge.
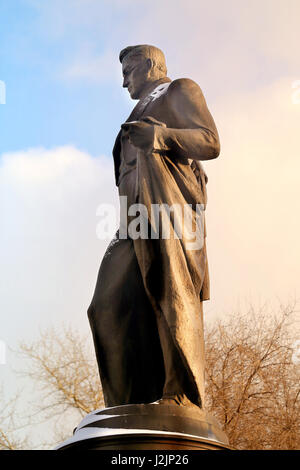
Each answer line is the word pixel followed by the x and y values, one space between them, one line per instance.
pixel 153 121
pixel 139 133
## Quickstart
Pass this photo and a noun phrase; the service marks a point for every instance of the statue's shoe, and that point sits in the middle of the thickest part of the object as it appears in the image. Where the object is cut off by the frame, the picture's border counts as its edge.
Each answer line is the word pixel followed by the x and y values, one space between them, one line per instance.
pixel 180 400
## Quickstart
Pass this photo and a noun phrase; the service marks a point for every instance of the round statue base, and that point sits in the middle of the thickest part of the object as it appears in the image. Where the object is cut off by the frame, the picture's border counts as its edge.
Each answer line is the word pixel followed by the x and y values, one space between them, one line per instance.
pixel 147 427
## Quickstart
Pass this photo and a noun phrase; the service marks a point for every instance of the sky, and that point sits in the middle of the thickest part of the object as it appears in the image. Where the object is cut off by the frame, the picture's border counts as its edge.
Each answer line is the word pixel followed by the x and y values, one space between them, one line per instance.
pixel 64 105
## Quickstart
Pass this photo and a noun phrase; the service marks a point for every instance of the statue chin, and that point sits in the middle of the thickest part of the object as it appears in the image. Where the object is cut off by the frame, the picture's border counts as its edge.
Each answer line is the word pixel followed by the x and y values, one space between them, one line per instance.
pixel 134 95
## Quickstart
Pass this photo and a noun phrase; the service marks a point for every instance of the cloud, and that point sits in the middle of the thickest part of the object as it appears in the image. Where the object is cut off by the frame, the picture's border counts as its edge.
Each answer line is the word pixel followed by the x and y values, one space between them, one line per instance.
pixel 253 230
pixel 244 56
pixel 49 250
pixel 92 66
pixel 230 45
pixel 59 19
pixel 50 253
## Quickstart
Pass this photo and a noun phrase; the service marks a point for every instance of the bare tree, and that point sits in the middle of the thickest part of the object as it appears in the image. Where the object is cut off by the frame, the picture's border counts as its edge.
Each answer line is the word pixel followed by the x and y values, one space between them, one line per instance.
pixel 252 383
pixel 10 425
pixel 62 365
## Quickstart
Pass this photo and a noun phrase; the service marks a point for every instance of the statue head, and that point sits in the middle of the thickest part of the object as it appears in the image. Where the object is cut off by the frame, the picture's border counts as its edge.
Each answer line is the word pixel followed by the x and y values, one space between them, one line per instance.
pixel 141 65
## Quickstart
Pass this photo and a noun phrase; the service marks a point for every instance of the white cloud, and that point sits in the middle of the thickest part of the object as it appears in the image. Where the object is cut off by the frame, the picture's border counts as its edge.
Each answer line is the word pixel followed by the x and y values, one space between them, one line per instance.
pixel 58 19
pixel 87 64
pixel 50 253
pixel 253 226
pixel 229 44
pixel 49 250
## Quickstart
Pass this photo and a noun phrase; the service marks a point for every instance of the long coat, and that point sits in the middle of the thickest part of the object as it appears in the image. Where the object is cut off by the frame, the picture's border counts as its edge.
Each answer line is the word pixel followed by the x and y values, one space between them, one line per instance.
pixel 175 277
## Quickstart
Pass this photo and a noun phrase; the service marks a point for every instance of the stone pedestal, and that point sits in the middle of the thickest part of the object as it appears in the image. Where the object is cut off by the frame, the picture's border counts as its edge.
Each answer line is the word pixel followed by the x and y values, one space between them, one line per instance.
pixel 147 427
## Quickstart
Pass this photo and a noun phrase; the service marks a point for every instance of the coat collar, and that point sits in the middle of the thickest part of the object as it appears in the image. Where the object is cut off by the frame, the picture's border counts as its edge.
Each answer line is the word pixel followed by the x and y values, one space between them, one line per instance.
pixel 140 106
pixel 134 115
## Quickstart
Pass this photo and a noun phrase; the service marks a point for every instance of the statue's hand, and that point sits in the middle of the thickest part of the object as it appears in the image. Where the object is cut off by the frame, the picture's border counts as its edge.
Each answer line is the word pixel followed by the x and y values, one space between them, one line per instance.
pixel 141 133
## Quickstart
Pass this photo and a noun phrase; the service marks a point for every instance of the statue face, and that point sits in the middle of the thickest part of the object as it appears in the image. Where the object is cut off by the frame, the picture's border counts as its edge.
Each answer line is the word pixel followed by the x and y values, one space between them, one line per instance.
pixel 135 75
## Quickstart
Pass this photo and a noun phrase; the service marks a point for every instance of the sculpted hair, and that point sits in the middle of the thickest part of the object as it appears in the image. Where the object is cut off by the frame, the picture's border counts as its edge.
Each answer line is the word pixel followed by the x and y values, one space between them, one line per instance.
pixel 148 52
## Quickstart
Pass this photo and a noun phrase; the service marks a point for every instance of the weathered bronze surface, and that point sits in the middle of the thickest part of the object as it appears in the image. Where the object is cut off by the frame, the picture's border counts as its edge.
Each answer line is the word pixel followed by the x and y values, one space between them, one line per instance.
pixel 143 427
pixel 146 314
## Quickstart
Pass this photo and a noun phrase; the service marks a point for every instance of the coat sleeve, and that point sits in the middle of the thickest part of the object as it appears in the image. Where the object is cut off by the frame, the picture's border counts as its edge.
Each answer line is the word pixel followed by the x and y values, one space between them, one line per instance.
pixel 195 135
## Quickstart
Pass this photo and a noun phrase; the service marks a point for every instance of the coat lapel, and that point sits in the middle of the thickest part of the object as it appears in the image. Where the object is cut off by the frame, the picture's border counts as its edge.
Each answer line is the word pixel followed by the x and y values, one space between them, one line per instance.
pixel 135 115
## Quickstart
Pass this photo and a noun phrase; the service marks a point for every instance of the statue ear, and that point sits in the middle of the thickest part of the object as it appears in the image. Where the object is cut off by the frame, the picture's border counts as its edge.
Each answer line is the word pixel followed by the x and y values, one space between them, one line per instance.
pixel 150 64
pixel 151 70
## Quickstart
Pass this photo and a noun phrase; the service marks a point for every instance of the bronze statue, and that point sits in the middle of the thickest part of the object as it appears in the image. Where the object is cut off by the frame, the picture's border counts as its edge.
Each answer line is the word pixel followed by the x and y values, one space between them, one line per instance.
pixel 146 314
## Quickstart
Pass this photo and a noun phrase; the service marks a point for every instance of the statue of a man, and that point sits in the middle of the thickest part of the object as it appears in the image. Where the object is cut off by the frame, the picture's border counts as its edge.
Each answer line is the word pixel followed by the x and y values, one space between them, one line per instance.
pixel 146 314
